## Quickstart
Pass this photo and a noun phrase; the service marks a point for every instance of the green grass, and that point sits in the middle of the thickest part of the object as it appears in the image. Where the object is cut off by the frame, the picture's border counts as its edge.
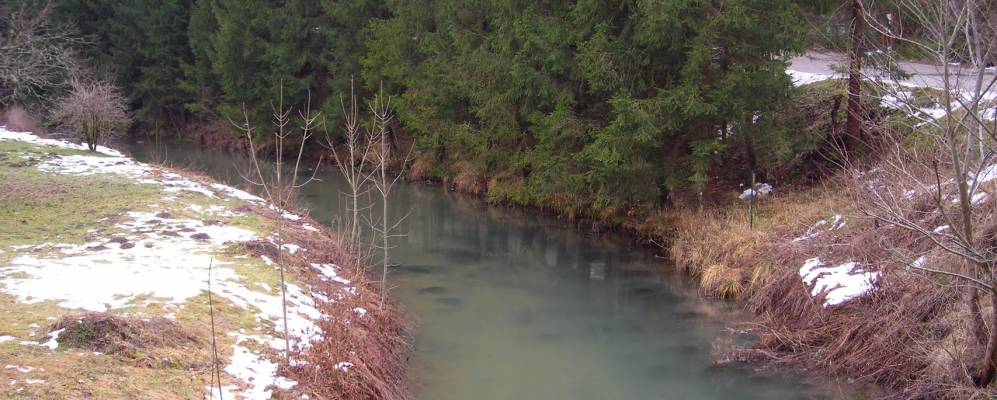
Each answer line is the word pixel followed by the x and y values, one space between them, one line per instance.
pixel 38 207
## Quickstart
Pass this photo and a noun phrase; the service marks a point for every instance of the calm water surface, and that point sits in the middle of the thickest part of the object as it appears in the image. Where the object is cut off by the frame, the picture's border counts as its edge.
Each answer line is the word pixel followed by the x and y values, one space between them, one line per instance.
pixel 511 305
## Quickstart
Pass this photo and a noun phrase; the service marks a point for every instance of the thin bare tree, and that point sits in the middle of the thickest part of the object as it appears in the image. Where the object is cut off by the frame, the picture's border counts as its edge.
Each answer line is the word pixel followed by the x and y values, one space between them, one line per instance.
pixel 216 375
pixel 853 128
pixel 383 181
pixel 352 164
pixel 95 109
pixel 278 183
pixel 954 172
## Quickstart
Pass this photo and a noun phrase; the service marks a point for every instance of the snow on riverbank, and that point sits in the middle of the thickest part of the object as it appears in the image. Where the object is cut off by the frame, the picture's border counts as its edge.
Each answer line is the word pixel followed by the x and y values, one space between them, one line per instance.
pixel 838 284
pixel 27 137
pixel 157 259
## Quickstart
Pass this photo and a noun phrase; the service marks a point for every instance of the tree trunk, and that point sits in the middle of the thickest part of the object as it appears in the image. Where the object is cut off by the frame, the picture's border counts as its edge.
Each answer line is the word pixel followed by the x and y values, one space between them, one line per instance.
pixel 854 128
pixel 973 300
pixel 988 364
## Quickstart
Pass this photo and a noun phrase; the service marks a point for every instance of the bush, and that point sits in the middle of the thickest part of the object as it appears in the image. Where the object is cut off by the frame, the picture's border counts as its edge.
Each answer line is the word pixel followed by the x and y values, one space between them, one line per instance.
pixel 95 110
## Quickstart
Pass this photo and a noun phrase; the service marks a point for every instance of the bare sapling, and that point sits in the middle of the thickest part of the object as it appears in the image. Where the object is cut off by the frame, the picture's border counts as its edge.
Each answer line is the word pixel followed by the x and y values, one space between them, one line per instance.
pixel 279 182
pixel 352 164
pixel 383 182
pixel 94 109
pixel 853 129
pixel 216 376
pixel 955 172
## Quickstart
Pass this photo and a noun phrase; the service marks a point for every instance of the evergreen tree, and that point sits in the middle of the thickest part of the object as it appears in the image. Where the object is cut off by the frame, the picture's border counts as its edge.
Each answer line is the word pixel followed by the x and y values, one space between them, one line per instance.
pixel 618 98
pixel 142 46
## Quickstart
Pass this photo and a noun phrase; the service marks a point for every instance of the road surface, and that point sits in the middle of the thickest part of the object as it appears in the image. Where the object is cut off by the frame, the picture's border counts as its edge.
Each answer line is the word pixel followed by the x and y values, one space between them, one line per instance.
pixel 924 75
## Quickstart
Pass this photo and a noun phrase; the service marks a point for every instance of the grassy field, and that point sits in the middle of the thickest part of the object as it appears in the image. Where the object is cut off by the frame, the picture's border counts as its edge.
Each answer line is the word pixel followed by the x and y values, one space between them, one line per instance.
pixel 104 292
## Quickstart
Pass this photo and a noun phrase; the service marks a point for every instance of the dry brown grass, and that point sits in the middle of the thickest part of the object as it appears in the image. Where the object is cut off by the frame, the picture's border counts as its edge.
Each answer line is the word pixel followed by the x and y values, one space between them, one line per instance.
pixel 420 168
pixel 468 180
pixel 146 341
pixel 378 343
pixel 910 335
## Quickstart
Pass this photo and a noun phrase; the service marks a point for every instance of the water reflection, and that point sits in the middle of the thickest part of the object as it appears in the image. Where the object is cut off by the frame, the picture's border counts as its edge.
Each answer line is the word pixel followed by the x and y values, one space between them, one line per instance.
pixel 514 306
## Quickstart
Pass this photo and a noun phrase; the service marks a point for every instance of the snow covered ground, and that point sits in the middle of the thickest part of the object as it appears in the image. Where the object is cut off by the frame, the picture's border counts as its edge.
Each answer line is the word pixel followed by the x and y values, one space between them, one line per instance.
pixel 159 258
pixel 849 280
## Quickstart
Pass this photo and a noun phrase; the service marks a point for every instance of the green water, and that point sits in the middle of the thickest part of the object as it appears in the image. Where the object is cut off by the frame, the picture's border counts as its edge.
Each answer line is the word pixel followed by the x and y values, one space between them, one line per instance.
pixel 513 305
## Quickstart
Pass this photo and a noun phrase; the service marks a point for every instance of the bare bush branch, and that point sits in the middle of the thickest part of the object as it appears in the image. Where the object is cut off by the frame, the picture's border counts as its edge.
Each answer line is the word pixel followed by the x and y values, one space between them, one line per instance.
pixel 36 57
pixel 95 110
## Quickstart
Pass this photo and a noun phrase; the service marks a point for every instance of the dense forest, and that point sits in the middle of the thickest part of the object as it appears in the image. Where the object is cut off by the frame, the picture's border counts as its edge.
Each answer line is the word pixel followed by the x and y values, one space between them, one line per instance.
pixel 626 102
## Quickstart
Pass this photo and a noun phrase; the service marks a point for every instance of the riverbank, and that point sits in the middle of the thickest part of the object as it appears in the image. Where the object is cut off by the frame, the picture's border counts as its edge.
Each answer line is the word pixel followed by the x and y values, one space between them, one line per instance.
pixel 104 280
pixel 831 287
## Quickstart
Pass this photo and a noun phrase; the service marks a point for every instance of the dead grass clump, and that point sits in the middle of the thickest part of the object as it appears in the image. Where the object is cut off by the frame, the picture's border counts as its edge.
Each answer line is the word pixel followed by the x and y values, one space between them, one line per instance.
pixel 468 180
pixel 374 340
pixel 421 168
pixel 721 282
pixel 132 338
pixel 904 336
pixel 886 338
pixel 721 252
pixel 262 248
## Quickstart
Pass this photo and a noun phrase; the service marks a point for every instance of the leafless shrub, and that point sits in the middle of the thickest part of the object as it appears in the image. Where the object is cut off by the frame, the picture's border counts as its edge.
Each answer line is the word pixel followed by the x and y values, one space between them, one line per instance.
pixel 365 163
pixel 96 110
pixel 383 183
pixel 278 182
pixel 945 202
pixel 353 165
pixel 36 56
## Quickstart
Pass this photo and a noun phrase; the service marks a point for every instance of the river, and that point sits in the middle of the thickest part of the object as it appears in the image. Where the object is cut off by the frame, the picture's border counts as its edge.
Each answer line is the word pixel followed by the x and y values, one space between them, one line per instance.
pixel 513 305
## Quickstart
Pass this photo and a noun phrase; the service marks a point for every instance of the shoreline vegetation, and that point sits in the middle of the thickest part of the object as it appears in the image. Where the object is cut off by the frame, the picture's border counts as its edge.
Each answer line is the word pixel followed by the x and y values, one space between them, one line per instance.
pixel 827 293
pixel 106 266
pixel 847 199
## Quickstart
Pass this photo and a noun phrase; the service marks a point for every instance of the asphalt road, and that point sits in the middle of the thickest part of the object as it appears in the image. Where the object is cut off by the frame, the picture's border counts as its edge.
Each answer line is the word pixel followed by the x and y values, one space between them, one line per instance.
pixel 925 75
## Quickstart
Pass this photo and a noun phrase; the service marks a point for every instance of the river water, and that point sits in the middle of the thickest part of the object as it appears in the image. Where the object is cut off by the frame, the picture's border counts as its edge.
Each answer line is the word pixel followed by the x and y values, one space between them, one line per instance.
pixel 513 305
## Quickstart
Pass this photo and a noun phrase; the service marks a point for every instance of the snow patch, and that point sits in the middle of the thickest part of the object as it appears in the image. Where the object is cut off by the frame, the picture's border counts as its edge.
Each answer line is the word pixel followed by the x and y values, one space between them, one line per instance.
pixel 837 222
pixel 236 193
pixel 760 190
pixel 329 273
pixel 173 270
pixel 343 366
pixel 6 134
pixel 291 248
pixel 53 339
pixel 256 371
pixel 22 370
pixel 286 214
pixel 801 78
pixel 838 284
